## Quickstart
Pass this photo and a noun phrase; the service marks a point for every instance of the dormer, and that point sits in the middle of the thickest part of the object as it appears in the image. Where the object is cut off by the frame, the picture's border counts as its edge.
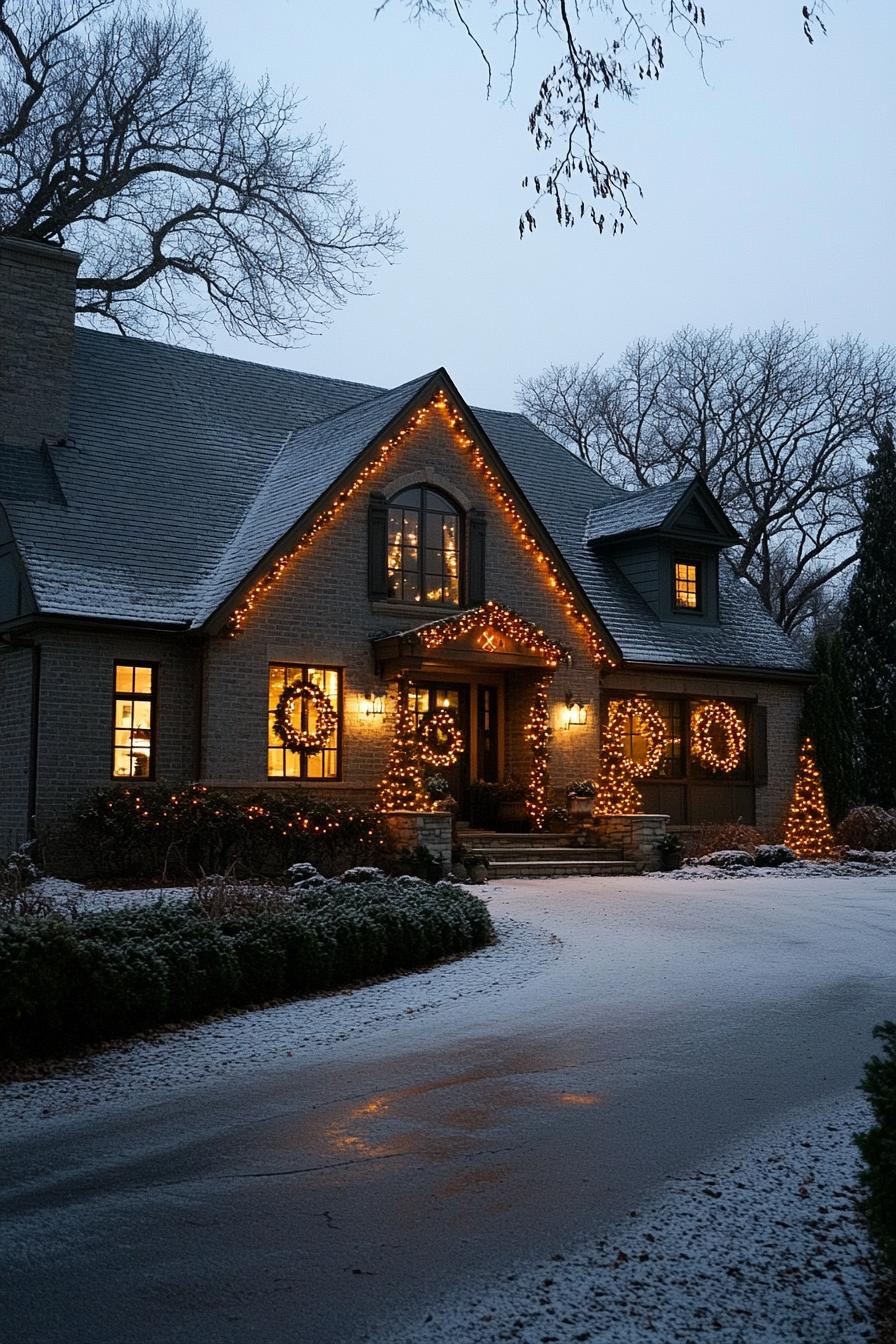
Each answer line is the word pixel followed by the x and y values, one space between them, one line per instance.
pixel 666 542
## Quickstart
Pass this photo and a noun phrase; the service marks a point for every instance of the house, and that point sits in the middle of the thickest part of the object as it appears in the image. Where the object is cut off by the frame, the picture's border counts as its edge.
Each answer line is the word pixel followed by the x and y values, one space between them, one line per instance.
pixel 220 571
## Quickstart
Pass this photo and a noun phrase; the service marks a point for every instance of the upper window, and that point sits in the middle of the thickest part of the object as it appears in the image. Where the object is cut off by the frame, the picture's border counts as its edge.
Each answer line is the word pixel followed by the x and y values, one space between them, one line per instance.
pixel 324 763
pixel 686 585
pixel 134 721
pixel 423 554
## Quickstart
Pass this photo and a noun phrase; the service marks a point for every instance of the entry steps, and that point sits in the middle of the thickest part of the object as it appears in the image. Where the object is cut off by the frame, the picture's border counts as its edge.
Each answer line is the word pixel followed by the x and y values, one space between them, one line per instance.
pixel 541 854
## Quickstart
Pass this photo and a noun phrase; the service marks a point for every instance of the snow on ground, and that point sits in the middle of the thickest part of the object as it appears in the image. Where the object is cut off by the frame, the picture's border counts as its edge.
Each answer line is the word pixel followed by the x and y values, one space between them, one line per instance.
pixel 801 868
pixel 763 1247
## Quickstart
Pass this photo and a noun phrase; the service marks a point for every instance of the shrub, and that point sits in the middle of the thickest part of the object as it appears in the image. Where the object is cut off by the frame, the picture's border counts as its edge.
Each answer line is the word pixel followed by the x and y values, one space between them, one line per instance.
pixel 713 836
pixel 878 1145
pixel 135 832
pixel 67 982
pixel 868 828
pixel 773 856
pixel 725 858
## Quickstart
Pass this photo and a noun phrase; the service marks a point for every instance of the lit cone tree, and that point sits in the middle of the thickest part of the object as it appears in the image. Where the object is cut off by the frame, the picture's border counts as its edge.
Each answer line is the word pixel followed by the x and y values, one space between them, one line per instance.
pixel 617 794
pixel 401 788
pixel 808 831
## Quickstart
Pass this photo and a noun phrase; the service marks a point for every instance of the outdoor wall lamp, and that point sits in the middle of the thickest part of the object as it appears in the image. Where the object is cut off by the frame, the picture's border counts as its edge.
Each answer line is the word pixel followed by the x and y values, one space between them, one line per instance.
pixel 373 705
pixel 575 715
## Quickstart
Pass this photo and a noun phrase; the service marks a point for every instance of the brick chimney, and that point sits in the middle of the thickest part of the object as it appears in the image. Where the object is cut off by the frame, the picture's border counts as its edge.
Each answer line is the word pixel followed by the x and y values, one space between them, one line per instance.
pixel 37 327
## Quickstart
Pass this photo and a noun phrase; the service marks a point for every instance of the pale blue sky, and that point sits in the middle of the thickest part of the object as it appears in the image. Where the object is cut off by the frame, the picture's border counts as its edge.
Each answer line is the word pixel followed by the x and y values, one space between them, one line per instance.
pixel 769 190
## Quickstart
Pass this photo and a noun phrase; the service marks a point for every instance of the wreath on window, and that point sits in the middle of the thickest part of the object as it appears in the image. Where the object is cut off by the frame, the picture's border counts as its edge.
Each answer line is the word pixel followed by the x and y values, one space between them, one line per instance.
pixel 719 717
pixel 327 718
pixel 441 741
pixel 650 724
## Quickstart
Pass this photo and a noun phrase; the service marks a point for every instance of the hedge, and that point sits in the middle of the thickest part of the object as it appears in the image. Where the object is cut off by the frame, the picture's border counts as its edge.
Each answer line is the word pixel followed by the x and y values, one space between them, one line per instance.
pixel 878 1145
pixel 69 982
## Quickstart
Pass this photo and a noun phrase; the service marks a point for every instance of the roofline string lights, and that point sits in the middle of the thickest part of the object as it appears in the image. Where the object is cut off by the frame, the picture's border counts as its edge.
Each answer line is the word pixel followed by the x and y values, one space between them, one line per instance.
pixel 440 405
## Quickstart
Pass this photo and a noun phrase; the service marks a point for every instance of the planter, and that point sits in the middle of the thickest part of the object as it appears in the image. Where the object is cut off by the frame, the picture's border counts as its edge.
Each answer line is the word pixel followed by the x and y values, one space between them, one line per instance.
pixel 558 827
pixel 512 815
pixel 669 861
pixel 579 807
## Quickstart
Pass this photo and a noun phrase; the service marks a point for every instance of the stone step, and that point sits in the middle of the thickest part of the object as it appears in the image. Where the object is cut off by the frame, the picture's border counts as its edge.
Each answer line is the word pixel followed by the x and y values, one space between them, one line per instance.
pixel 513 853
pixel 499 869
pixel 518 839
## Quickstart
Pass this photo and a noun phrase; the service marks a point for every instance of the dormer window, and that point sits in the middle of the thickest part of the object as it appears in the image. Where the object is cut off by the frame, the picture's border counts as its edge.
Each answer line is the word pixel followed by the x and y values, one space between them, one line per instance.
pixel 423 548
pixel 687 585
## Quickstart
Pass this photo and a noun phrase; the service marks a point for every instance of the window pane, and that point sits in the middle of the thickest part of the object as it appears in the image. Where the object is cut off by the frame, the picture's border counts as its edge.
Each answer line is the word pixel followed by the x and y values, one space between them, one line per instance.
pixel 275 763
pixel 124 678
pixel 121 766
pixel 143 680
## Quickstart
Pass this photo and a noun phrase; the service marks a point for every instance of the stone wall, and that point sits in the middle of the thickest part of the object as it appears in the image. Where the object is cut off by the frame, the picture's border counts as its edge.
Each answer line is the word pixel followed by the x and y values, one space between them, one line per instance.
pixel 431 830
pixel 637 835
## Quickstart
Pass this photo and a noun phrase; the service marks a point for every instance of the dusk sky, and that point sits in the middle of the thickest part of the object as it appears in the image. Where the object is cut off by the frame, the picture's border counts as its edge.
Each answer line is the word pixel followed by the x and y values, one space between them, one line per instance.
pixel 769 189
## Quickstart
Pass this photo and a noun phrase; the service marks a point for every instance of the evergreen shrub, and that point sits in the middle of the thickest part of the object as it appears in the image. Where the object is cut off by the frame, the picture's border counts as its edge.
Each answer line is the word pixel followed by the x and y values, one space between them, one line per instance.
pixel 878 1145
pixel 70 981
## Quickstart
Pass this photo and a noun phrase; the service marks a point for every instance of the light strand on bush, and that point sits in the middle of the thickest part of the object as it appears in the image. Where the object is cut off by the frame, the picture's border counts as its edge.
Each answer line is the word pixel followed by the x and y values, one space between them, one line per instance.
pixel 401 788
pixel 616 794
pixel 538 735
pixel 808 830
pixel 439 406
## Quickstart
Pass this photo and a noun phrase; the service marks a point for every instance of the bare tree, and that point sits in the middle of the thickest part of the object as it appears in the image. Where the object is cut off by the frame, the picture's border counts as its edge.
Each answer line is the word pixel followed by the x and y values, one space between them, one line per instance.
pixel 599 49
pixel 185 191
pixel 778 423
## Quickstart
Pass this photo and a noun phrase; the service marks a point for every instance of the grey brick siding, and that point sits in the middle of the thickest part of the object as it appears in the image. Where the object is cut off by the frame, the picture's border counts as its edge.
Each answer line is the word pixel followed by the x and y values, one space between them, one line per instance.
pixel 37 327
pixel 15 744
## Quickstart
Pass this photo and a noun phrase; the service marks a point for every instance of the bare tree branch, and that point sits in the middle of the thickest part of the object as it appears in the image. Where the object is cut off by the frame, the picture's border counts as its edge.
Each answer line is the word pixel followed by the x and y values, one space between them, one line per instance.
pixel 186 193
pixel 779 423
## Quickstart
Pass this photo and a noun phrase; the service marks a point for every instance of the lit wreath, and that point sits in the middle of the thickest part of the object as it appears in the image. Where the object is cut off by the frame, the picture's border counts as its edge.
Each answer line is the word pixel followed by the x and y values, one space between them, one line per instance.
pixel 717 714
pixel 327 718
pixel 652 726
pixel 441 741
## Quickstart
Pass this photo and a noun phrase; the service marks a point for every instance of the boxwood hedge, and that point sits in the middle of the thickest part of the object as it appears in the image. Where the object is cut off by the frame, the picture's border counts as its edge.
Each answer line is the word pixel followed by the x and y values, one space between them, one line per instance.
pixel 878 1145
pixel 70 981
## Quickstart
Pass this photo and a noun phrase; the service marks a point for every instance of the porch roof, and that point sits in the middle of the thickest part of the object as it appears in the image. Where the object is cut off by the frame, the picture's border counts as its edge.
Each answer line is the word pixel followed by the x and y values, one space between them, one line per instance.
pixel 490 635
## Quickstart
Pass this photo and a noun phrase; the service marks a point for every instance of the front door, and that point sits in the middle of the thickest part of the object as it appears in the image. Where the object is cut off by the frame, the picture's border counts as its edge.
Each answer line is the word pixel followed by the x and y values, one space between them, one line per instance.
pixel 425 696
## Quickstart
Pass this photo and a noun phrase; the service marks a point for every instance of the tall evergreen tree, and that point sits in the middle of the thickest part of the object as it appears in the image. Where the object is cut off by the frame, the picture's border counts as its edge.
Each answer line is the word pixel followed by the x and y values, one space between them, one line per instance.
pixel 829 718
pixel 869 630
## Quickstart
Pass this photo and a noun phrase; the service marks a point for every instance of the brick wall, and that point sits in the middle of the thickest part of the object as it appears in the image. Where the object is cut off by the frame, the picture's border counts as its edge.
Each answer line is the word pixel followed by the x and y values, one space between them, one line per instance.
pixel 15 745
pixel 76 711
pixel 37 323
pixel 320 613
pixel 783 702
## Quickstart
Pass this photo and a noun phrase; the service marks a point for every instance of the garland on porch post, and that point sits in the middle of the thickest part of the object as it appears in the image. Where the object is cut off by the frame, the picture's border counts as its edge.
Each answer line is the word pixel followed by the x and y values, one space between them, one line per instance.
pixel 538 735
pixel 401 788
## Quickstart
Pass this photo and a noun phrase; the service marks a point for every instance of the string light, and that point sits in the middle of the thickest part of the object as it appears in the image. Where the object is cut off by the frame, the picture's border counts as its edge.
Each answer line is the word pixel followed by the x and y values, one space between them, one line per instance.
pixel 492 616
pixel 717 715
pixel 808 830
pixel 401 788
pixel 294 739
pixel 616 793
pixel 538 734
pixel 438 406
pixel 646 722
pixel 441 740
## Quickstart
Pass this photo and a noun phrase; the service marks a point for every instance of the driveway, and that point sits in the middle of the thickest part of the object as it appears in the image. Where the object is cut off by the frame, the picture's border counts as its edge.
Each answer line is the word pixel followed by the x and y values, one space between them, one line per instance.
pixel 325 1171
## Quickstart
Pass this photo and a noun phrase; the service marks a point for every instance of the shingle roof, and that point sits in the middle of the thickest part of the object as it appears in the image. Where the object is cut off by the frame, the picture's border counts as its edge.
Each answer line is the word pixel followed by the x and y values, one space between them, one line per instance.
pixel 188 468
pixel 640 512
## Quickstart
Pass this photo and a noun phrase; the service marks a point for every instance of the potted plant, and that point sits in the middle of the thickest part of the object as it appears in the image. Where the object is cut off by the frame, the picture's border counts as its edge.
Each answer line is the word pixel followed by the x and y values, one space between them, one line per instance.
pixel 484 797
pixel 557 820
pixel 439 791
pixel 671 849
pixel 580 796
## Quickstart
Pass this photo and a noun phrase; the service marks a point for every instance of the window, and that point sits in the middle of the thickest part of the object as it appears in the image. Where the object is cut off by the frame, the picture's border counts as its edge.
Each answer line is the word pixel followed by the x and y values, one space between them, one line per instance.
pixel 134 721
pixel 285 764
pixel 637 744
pixel 423 548
pixel 686 585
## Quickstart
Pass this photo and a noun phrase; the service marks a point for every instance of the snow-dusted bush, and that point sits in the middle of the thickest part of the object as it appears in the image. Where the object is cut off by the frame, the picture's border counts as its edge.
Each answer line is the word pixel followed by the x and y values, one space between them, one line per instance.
pixel 878 1144
pixel 65 982
pixel 772 856
pixel 867 828
pixel 710 837
pixel 724 858
pixel 362 874
pixel 20 891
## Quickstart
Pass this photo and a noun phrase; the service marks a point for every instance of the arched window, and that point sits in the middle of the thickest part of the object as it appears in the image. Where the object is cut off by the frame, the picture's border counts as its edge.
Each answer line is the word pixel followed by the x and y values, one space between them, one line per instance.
pixel 423 548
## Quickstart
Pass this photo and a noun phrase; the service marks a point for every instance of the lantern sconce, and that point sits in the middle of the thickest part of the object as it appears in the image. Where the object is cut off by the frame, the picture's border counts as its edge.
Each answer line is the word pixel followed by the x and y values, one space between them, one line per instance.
pixel 575 715
pixel 373 705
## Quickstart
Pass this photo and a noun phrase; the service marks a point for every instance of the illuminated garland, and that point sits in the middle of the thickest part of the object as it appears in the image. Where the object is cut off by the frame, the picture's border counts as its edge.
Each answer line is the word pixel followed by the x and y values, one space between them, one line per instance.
pixel 438 405
pixel 616 793
pixel 401 788
pixel 327 718
pixel 491 615
pixel 724 717
pixel 652 726
pixel 808 830
pixel 538 734
pixel 441 741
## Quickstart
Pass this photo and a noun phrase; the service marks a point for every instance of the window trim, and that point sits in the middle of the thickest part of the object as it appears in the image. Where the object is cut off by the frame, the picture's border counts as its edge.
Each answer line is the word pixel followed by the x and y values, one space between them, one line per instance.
pixel 302 777
pixel 462 559
pixel 153 698
pixel 679 608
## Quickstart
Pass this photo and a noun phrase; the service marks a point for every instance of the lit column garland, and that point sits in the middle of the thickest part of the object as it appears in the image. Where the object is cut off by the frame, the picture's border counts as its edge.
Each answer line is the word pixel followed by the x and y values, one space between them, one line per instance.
pixel 808 830
pixel 617 794
pixel 538 734
pixel 401 788
pixel 439 405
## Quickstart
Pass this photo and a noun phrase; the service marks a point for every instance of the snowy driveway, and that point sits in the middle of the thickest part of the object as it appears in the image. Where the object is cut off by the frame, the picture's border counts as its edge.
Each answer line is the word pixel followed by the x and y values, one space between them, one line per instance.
pixel 333 1170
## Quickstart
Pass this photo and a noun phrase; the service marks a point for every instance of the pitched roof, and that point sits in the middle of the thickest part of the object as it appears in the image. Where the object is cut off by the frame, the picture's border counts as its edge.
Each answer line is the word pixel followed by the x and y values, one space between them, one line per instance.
pixel 188 468
pixel 640 512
